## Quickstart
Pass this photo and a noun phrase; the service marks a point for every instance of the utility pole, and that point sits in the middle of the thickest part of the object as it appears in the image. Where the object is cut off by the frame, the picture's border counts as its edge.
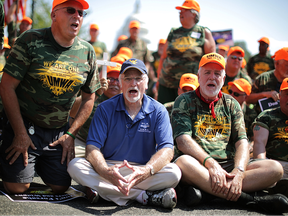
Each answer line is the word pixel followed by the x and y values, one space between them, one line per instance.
pixel 32 12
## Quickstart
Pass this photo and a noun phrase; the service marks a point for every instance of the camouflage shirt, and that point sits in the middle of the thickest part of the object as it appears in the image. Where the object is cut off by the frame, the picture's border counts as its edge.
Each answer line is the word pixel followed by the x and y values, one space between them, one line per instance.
pixel 99 48
pixel 217 136
pixel 169 107
pixel 249 116
pixel 276 122
pixel 241 74
pixel 265 82
pixel 83 132
pixel 139 49
pixel 50 76
pixel 184 51
pixel 258 65
pixel 155 62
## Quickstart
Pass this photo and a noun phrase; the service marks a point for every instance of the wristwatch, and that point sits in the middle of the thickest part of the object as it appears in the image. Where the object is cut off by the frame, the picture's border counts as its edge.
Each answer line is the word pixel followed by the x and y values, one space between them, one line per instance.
pixel 151 169
pixel 241 168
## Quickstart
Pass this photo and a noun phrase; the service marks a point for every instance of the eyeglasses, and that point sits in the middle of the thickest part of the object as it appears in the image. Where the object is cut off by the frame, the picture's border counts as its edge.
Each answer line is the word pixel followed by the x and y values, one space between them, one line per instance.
pixel 113 79
pixel 71 10
pixel 137 79
pixel 236 57
pixel 236 94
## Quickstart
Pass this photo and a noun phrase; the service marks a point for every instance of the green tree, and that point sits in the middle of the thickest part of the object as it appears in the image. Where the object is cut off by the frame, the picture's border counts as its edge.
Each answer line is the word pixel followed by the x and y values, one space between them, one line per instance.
pixel 41 14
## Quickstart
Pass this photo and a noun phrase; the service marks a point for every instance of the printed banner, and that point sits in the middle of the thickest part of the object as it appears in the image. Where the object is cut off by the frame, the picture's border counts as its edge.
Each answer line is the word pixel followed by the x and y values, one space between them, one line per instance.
pixel 223 37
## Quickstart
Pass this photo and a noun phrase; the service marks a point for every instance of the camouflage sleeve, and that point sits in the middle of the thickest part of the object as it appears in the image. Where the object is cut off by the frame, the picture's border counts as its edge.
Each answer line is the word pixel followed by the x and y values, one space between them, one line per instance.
pixel 180 118
pixel 238 130
pixel 262 120
pixel 170 35
pixel 255 86
pixel 247 77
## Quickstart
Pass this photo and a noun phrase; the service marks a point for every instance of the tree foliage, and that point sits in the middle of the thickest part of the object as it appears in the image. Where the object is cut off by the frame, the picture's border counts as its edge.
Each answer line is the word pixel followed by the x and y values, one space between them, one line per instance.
pixel 41 14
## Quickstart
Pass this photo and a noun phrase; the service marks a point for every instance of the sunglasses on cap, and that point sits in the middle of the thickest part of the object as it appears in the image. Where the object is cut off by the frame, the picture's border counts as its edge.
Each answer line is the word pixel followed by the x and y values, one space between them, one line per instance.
pixel 71 10
pixel 236 94
pixel 236 57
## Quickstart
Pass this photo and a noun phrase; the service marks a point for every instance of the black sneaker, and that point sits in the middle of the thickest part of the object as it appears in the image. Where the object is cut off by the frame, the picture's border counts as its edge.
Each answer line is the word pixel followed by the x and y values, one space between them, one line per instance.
pixel 281 187
pixel 92 195
pixel 166 198
pixel 274 204
pixel 193 196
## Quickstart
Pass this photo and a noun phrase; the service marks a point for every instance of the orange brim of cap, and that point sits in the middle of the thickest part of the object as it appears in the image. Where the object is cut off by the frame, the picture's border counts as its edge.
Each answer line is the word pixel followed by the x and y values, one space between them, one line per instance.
pixel 238 86
pixel 189 85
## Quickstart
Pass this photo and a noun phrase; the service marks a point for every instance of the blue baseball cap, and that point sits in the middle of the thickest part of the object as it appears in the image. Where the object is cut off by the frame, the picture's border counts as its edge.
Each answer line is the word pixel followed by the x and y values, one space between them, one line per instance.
pixel 133 63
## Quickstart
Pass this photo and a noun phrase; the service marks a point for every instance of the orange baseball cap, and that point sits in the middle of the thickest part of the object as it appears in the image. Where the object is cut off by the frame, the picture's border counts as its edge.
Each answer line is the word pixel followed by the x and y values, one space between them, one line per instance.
pixel 119 59
pixel 189 79
pixel 114 69
pixel 242 84
pixel 236 49
pixel 189 4
pixel 224 47
pixel 122 37
pixel 27 19
pixel 6 45
pixel 265 40
pixel 162 41
pixel 134 24
pixel 281 54
pixel 214 58
pixel 94 26
pixel 85 5
pixel 125 52
pixel 243 63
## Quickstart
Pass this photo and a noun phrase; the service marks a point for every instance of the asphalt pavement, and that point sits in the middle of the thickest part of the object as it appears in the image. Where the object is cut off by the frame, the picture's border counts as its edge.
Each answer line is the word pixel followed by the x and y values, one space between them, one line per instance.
pixel 80 206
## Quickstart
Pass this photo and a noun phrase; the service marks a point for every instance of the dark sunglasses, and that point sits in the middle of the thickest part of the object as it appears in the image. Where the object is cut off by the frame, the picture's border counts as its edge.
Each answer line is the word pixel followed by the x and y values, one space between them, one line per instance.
pixel 236 94
pixel 236 57
pixel 71 10
pixel 113 79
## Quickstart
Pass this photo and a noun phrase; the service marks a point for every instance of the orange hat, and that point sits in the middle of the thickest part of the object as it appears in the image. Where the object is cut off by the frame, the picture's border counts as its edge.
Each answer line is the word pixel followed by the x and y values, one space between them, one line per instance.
pixel 243 63
pixel 94 26
pixel 114 69
pixel 122 37
pixel 125 52
pixel 236 49
pixel 6 45
pixel 134 24
pixel 224 47
pixel 214 58
pixel 119 59
pixel 281 54
pixel 162 41
pixel 27 19
pixel 265 40
pixel 189 4
pixel 85 5
pixel 242 84
pixel 189 79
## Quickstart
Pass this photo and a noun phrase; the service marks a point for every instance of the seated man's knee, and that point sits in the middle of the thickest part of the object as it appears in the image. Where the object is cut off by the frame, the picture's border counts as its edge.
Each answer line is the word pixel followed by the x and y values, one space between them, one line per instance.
pixel 16 188
pixel 57 189
pixel 175 173
pixel 186 161
pixel 72 166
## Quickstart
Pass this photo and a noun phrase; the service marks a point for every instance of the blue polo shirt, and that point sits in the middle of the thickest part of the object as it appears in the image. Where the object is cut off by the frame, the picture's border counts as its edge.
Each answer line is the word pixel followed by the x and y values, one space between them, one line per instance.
pixel 120 138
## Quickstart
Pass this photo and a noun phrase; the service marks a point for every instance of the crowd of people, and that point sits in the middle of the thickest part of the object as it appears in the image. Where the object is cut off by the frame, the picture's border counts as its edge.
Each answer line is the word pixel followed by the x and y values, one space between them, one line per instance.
pixel 182 123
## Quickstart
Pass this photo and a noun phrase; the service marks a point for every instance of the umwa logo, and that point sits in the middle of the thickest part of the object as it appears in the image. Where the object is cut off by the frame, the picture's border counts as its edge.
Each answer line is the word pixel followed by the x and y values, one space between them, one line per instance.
pixel 60 77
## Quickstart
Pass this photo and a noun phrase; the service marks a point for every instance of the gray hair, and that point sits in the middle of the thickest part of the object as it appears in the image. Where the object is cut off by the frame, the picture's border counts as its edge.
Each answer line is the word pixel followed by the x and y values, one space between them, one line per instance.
pixel 197 17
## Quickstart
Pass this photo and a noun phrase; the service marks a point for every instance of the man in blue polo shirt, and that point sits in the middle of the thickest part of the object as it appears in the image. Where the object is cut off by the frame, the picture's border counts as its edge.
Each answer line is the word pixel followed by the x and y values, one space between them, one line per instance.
pixel 129 147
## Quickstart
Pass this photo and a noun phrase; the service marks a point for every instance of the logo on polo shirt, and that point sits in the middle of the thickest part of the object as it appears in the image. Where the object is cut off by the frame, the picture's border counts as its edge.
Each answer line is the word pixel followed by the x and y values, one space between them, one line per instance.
pixel 144 127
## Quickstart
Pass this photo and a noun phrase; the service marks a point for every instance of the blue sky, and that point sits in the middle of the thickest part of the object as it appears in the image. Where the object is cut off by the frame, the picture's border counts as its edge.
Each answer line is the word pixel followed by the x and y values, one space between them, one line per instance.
pixel 249 19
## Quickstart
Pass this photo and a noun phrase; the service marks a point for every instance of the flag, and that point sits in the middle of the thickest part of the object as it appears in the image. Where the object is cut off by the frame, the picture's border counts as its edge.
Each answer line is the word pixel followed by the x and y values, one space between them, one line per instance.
pixel 21 9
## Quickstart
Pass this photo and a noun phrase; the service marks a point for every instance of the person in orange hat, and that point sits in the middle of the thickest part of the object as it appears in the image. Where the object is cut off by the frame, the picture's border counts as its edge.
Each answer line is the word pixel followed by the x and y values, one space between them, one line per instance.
pixel 45 71
pixel 125 52
pixel 212 149
pixel 183 50
pixel 122 37
pixel 270 137
pixel 99 47
pixel 240 89
pixel 223 50
pixel 112 90
pixel 260 62
pixel 267 84
pixel 188 82
pixel 25 24
pixel 233 67
pixel 136 44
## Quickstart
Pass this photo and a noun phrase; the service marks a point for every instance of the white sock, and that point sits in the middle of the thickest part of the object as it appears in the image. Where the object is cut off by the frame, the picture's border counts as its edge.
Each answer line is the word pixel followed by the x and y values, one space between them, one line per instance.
pixel 139 198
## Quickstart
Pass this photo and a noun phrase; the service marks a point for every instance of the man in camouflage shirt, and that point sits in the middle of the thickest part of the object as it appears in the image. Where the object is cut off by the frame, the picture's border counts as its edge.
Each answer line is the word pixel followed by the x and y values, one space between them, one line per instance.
pixel 260 63
pixel 233 67
pixel 270 131
pixel 267 84
pixel 209 129
pixel 43 74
